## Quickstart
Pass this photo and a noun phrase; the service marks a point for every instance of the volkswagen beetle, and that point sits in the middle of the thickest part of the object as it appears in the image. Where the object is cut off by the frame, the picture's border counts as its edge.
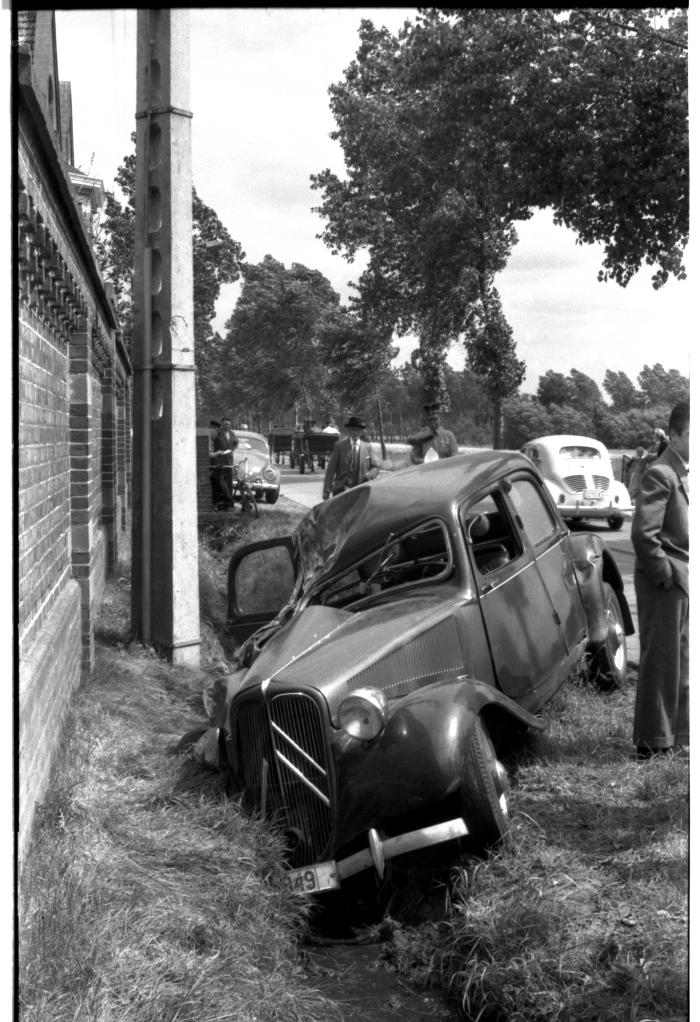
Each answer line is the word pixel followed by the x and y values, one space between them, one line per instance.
pixel 261 474
pixel 394 648
pixel 578 473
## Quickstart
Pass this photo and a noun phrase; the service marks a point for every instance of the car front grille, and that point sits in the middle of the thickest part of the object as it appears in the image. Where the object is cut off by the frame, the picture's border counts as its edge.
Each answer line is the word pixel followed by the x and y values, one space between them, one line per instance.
pixel 284 761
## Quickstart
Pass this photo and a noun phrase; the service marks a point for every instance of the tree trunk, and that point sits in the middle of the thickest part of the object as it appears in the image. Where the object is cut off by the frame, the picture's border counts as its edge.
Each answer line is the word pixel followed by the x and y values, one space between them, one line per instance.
pixel 498 424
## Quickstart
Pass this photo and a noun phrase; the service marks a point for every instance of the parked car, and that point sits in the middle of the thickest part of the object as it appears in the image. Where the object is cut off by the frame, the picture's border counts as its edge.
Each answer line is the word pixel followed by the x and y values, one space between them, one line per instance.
pixel 261 474
pixel 579 475
pixel 395 647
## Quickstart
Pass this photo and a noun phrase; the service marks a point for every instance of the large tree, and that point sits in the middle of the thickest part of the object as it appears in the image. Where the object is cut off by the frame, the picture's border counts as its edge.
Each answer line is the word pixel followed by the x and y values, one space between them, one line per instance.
pixel 216 259
pixel 621 390
pixel 661 386
pixel 273 337
pixel 468 119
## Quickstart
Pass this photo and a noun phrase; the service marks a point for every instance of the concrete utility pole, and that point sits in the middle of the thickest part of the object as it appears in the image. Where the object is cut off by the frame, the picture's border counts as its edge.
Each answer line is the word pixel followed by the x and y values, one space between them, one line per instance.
pixel 164 576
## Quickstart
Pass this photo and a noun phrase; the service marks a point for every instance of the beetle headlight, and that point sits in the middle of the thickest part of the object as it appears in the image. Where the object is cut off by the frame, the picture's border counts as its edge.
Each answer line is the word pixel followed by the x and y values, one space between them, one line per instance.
pixel 363 714
pixel 269 474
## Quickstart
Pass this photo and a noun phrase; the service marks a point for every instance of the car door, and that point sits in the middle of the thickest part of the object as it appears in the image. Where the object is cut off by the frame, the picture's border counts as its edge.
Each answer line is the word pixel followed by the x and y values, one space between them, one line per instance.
pixel 548 537
pixel 261 580
pixel 522 628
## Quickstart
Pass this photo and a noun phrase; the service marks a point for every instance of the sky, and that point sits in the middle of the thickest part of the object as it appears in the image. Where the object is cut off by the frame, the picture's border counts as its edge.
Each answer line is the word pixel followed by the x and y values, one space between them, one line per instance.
pixel 260 128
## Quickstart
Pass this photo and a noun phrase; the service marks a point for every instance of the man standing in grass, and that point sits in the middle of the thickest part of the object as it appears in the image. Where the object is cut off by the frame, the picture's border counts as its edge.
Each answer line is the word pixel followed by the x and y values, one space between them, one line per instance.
pixel 223 445
pixel 660 540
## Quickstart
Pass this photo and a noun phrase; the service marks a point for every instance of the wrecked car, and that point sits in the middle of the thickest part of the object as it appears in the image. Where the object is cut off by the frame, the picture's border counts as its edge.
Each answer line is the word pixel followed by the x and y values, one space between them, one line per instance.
pixel 395 647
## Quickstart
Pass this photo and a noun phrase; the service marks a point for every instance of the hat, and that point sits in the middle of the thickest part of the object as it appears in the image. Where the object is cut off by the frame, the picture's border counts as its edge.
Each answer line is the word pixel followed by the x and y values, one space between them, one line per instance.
pixel 354 423
pixel 214 424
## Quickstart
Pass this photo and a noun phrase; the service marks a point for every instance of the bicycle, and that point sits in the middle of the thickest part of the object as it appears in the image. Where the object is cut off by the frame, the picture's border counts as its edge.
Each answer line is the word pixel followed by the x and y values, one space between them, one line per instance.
pixel 242 491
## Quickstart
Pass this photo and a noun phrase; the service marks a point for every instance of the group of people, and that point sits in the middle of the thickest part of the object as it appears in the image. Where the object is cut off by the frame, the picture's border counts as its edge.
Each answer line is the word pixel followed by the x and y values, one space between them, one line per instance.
pixel 353 460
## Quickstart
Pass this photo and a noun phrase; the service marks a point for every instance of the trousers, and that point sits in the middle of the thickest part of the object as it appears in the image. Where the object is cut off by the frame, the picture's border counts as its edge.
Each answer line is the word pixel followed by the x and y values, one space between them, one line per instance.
pixel 661 711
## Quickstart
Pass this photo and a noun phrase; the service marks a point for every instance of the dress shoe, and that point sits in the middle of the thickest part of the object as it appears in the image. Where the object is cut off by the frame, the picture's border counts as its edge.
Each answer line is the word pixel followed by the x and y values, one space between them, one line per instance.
pixel 644 752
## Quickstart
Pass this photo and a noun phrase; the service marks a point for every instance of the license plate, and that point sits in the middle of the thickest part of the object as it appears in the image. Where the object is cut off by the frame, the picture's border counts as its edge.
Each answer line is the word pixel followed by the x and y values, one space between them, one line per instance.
pixel 321 877
pixel 592 494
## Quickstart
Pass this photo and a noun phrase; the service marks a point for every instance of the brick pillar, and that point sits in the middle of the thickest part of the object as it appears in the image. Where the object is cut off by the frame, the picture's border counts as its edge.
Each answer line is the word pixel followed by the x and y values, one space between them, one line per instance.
pixel 109 465
pixel 82 470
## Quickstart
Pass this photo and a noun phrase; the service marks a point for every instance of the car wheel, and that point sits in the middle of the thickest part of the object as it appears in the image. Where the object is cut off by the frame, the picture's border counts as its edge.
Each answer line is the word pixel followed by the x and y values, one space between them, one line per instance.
pixel 610 662
pixel 271 496
pixel 484 791
pixel 615 523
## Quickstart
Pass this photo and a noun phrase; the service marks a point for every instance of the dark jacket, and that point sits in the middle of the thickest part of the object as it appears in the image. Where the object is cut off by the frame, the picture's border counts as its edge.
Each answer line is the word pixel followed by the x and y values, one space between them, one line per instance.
pixel 339 468
pixel 222 449
pixel 660 524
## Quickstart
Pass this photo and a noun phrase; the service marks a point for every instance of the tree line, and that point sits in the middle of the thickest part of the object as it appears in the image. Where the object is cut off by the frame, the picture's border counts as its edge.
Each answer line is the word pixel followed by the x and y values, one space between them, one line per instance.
pixel 452 130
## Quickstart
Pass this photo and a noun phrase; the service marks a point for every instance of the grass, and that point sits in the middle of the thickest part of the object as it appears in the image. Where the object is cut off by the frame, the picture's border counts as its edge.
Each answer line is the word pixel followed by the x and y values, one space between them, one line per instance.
pixel 585 920
pixel 148 896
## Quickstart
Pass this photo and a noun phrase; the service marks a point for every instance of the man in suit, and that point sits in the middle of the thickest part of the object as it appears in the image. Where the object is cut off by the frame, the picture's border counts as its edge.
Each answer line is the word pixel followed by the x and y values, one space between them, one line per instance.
pixel 222 448
pixel 434 441
pixel 352 461
pixel 660 540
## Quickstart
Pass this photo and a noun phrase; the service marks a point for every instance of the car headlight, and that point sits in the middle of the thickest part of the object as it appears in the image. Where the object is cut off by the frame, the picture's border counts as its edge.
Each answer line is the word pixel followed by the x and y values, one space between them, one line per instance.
pixel 269 474
pixel 363 714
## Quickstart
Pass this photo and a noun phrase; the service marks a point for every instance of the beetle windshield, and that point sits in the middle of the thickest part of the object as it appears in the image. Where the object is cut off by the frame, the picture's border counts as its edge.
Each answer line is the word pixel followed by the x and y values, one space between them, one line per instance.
pixel 252 443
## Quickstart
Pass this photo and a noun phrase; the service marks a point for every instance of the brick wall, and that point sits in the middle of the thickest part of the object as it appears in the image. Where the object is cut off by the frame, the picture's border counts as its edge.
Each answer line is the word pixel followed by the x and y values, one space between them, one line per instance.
pixel 73 450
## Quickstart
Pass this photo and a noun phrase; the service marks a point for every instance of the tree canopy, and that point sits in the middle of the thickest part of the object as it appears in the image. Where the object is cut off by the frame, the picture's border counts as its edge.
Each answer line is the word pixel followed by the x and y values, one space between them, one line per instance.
pixel 273 336
pixel 467 120
pixel 216 259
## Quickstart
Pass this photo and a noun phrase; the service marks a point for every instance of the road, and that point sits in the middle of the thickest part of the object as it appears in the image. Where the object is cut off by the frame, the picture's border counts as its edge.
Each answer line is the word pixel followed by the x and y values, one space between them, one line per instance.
pixel 305 490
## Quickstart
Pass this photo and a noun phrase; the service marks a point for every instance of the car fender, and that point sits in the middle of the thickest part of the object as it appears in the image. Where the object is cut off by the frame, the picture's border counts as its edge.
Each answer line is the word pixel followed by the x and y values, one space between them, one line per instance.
pixel 418 759
pixel 621 496
pixel 594 565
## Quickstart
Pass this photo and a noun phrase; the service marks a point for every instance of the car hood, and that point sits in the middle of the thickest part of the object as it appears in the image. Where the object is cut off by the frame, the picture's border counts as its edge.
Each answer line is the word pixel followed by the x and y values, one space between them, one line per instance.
pixel 256 461
pixel 385 646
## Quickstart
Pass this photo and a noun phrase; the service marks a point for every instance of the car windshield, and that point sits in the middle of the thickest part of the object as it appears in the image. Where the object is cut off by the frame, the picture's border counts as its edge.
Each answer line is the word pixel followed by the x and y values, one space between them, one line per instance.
pixel 422 554
pixel 579 452
pixel 252 443
pixel 322 534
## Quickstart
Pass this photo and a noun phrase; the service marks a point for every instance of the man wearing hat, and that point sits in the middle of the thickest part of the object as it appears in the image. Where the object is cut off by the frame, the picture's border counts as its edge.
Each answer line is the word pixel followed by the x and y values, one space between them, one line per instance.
pixel 434 441
pixel 352 461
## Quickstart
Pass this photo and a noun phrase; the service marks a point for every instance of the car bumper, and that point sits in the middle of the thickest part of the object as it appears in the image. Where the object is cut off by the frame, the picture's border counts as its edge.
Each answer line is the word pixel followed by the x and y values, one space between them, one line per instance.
pixel 327 876
pixel 586 509
pixel 262 486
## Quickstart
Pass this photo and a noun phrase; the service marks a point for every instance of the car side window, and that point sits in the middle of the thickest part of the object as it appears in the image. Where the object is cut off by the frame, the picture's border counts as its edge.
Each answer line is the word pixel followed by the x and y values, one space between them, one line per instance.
pixel 537 520
pixel 490 533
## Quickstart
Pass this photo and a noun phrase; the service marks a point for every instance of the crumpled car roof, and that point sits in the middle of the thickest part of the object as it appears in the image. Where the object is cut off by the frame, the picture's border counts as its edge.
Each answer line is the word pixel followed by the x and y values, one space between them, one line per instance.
pixel 338 532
